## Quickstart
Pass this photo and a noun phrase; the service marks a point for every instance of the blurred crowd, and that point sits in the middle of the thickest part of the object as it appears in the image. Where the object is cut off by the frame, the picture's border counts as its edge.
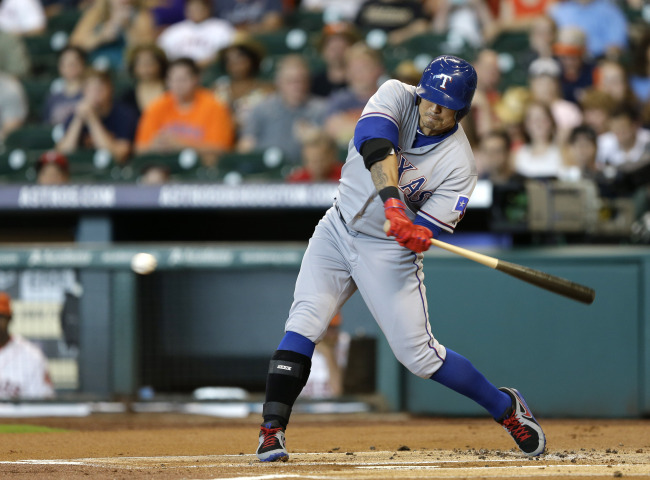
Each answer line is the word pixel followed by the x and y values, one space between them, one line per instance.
pixel 564 85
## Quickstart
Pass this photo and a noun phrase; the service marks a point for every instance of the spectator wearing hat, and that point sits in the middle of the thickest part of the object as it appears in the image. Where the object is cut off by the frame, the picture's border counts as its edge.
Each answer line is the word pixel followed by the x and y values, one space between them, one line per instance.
pixel 23 367
pixel 99 121
pixel 147 65
pixel 577 70
pixel 335 40
pixel 544 79
pixel 241 88
pixel 199 37
pixel 52 168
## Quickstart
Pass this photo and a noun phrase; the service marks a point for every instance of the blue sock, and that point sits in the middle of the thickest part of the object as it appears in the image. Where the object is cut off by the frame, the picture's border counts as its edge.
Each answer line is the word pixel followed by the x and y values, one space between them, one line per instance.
pixel 295 342
pixel 461 376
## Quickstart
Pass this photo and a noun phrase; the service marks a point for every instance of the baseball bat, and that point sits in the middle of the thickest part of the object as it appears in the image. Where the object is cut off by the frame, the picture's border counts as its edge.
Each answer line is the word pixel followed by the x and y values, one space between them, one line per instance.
pixel 549 282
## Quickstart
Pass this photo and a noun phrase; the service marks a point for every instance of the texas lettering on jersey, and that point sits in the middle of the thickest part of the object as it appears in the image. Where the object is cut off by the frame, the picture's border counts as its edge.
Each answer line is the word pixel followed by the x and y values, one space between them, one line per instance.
pixel 413 188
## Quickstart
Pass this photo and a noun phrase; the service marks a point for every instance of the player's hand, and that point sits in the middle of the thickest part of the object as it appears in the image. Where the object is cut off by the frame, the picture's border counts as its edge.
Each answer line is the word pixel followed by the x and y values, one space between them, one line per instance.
pixel 413 237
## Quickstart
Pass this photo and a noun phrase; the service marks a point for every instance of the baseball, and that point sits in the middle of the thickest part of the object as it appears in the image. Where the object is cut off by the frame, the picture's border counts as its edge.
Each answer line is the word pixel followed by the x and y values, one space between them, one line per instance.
pixel 143 263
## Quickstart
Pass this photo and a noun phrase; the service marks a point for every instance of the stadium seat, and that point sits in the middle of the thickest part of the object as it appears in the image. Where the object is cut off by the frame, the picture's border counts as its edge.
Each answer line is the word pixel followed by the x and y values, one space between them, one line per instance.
pixel 267 165
pixel 94 166
pixel 64 21
pixel 284 41
pixel 37 89
pixel 177 162
pixel 428 43
pixel 510 42
pixel 16 166
pixel 30 136
pixel 43 50
pixel 309 21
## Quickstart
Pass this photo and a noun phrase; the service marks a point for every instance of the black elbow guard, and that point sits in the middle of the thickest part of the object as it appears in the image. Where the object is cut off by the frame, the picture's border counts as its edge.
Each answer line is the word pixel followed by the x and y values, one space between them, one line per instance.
pixel 375 150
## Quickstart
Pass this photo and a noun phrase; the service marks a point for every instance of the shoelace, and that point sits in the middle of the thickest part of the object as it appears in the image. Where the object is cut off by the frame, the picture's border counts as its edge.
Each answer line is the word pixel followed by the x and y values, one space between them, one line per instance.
pixel 269 436
pixel 516 428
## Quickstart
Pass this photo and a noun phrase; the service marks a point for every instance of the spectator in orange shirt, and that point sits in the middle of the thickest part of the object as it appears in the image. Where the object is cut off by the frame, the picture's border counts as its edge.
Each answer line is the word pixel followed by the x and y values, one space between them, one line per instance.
pixel 186 116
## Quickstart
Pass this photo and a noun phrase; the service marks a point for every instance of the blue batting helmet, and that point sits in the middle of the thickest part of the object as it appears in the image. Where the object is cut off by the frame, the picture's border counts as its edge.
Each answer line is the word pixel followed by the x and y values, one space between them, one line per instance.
pixel 450 82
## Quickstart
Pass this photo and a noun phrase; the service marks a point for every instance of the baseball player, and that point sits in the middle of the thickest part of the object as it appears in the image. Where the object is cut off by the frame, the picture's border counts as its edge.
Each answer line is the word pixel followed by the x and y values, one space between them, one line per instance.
pixel 409 163
pixel 23 367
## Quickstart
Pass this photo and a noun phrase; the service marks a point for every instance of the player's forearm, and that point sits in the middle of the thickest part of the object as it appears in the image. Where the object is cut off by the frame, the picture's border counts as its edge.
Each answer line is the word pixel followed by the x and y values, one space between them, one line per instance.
pixel 384 173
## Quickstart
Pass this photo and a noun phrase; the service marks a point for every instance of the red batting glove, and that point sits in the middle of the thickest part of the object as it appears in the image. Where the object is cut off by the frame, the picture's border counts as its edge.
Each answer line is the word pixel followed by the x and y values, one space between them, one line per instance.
pixel 413 237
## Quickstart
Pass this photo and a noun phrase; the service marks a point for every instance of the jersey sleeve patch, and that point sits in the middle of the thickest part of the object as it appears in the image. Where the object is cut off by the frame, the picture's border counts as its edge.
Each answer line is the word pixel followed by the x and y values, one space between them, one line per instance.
pixel 461 204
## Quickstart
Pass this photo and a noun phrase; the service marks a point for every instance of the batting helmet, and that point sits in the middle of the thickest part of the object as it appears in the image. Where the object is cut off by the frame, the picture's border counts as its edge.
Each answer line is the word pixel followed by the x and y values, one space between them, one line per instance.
pixel 450 82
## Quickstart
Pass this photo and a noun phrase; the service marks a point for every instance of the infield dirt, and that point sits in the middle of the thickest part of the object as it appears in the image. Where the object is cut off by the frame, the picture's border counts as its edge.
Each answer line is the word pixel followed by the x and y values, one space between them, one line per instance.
pixel 367 446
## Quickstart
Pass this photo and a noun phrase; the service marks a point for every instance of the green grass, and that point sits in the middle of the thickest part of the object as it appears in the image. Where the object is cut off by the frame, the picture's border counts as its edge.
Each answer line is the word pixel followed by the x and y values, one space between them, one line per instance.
pixel 17 428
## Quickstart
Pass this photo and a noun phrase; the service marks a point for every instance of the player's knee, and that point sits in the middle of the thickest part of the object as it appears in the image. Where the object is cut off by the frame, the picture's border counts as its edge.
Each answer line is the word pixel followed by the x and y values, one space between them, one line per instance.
pixel 421 364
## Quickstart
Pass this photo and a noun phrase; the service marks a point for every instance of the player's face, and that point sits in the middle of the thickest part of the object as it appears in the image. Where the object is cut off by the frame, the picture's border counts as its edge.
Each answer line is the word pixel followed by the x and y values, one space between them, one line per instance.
pixel 435 119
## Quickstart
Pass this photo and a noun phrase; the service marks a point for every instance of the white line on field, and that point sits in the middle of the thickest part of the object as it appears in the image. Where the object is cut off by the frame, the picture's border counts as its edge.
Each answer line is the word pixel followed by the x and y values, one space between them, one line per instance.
pixel 419 467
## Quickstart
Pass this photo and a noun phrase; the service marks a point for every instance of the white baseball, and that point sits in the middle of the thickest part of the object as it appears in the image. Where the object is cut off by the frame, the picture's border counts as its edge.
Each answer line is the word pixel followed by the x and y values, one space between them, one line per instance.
pixel 143 263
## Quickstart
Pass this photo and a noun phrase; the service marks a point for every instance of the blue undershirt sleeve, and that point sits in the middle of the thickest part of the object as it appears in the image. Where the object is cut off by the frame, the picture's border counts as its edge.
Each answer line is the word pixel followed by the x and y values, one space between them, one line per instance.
pixel 375 127
pixel 435 229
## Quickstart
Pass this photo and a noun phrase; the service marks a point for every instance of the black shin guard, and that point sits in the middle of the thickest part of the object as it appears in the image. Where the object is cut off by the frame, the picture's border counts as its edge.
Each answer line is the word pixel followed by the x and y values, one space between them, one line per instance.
pixel 288 374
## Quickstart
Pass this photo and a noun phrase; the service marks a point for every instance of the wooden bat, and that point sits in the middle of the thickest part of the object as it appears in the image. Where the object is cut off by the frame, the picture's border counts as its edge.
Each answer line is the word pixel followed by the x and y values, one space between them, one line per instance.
pixel 549 282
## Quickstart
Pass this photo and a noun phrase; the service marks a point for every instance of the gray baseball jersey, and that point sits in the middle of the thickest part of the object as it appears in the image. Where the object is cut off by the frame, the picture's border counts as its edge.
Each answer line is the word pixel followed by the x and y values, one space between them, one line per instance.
pixel 349 249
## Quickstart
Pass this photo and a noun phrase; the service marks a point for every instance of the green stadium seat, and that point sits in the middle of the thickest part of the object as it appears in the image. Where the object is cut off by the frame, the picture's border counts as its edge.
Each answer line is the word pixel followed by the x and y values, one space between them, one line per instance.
pixel 210 74
pixel 177 162
pixel 95 166
pixel 510 42
pixel 37 89
pixel 64 21
pixel 43 50
pixel 427 43
pixel 284 41
pixel 16 166
pixel 309 21
pixel 267 165
pixel 32 136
